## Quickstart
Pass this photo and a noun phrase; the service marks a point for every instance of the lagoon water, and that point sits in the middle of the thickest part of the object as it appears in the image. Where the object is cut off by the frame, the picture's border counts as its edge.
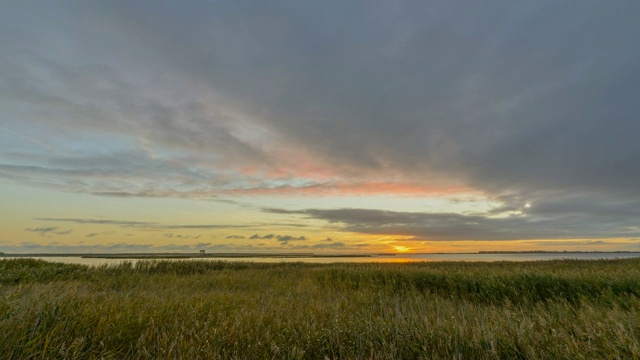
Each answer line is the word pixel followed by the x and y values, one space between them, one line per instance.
pixel 376 258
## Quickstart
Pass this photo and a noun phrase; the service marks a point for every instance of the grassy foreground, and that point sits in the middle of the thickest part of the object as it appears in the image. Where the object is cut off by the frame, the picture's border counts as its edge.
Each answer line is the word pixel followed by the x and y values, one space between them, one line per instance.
pixel 208 309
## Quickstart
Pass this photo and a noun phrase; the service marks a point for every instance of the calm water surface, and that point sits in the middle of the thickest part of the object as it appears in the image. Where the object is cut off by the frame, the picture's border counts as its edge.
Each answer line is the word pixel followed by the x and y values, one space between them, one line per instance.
pixel 382 259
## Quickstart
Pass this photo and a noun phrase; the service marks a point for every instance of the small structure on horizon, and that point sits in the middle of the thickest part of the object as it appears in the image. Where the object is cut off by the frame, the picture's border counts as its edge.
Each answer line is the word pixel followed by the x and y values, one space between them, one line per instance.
pixel 201 252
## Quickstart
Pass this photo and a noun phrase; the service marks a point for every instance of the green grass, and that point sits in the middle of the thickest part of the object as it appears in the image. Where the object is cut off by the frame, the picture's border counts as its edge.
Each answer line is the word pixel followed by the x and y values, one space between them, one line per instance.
pixel 210 309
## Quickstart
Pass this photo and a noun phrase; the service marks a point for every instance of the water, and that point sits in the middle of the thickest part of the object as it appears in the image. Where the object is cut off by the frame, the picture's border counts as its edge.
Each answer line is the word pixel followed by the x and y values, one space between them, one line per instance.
pixel 382 259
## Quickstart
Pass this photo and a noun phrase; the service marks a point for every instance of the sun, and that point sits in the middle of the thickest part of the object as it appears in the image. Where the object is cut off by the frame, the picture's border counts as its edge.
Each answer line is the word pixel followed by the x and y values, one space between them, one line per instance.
pixel 400 248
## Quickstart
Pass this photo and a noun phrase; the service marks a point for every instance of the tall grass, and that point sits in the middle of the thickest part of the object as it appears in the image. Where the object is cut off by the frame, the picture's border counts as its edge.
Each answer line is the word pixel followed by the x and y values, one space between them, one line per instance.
pixel 209 309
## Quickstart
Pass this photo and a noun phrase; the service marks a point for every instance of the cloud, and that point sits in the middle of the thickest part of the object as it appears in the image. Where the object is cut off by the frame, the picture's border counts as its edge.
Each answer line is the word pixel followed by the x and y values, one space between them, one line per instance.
pixel 536 222
pixel 203 226
pixel 181 236
pixel 290 238
pixel 144 224
pixel 99 221
pixel 42 230
pixel 415 110
pixel 91 235
pixel 235 237
pixel 517 101
pixel 577 243
pixel 348 189
pixel 333 245
pixel 342 247
pixel 284 239
pixel 281 238
pixel 50 230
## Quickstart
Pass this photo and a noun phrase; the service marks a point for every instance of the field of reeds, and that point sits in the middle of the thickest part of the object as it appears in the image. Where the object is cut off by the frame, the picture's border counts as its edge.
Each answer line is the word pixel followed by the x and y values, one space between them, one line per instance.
pixel 213 309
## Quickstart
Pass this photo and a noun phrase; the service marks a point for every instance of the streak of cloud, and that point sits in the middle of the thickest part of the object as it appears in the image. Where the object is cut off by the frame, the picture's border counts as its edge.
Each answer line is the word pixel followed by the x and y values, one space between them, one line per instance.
pixel 49 230
pixel 144 224
pixel 42 230
pixel 98 221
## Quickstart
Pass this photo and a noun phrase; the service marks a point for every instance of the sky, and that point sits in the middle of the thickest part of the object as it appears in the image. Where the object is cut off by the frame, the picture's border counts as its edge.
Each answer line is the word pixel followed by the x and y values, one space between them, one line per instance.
pixel 319 126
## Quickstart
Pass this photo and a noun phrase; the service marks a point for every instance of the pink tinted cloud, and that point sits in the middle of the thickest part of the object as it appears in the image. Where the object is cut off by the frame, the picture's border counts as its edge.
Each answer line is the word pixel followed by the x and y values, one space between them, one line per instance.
pixel 289 162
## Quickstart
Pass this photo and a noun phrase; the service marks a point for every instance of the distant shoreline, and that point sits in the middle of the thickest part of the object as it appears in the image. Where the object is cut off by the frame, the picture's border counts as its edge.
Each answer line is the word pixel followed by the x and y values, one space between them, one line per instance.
pixel 192 255
pixel 285 255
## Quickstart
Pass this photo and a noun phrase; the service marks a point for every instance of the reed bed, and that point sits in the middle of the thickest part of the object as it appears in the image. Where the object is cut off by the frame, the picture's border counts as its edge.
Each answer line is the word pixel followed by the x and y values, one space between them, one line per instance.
pixel 218 309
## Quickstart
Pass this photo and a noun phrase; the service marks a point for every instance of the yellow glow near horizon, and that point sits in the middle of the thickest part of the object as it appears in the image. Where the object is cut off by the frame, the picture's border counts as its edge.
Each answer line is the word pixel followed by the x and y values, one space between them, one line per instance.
pixel 45 220
pixel 400 248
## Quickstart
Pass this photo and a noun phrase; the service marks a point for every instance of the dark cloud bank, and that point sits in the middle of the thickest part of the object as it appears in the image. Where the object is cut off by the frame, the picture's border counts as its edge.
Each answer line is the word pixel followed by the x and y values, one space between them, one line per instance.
pixel 531 223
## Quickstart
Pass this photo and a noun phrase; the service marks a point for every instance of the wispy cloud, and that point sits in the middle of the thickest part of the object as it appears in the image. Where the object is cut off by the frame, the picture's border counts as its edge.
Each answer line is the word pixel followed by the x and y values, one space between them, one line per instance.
pixel 99 221
pixel 182 236
pixel 49 230
pixel 344 188
pixel 145 224
pixel 332 245
pixel 42 230
pixel 204 226
pixel 281 238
